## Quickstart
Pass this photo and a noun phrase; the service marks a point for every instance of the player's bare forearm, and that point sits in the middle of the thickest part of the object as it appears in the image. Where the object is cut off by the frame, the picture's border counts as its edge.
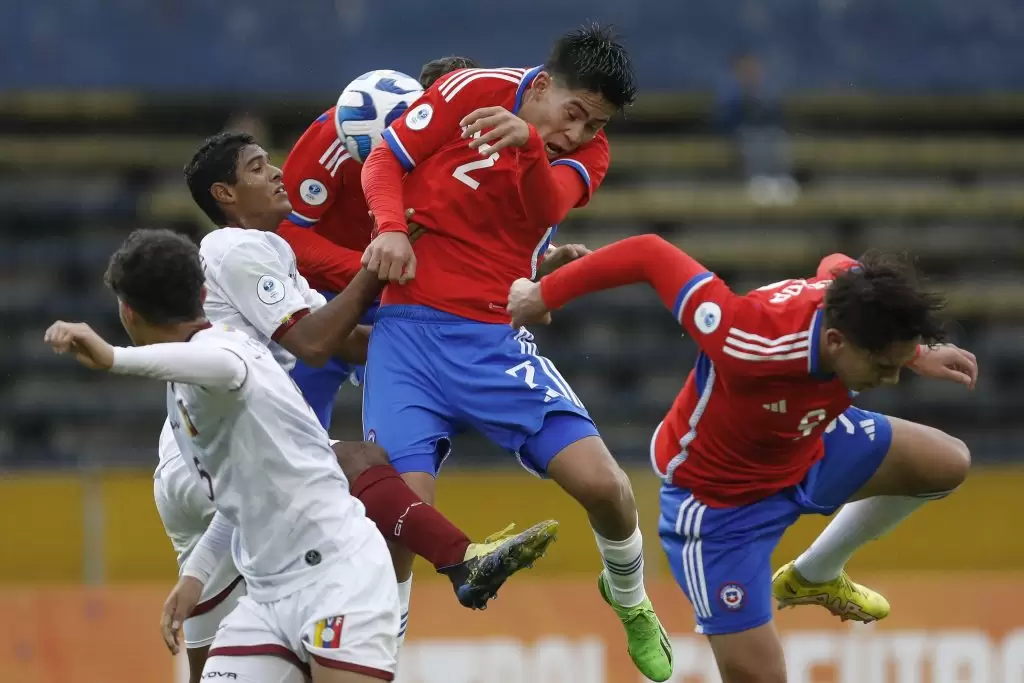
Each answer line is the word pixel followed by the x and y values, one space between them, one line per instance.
pixel 644 258
pixel 353 348
pixel 326 265
pixel 322 334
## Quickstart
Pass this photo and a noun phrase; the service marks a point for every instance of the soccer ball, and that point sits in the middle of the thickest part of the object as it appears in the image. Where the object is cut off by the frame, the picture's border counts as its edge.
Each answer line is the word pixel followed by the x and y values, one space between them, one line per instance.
pixel 368 105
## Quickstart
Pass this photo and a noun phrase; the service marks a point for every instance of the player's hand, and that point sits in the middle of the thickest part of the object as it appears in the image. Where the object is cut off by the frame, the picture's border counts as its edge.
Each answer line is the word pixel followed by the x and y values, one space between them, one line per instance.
pixel 391 258
pixel 504 129
pixel 526 305
pixel 177 608
pixel 947 362
pixel 556 257
pixel 89 348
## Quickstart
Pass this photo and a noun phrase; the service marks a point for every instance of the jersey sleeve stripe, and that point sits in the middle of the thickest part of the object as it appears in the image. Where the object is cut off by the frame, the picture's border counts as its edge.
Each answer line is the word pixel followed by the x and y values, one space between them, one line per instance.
pixel 502 77
pixel 784 339
pixel 330 150
pixel 767 350
pixel 289 323
pixel 300 220
pixel 468 74
pixel 398 149
pixel 572 163
pixel 695 283
pixel 728 350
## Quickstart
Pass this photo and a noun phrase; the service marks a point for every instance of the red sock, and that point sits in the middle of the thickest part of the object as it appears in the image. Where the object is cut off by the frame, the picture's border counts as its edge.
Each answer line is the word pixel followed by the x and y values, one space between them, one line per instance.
pixel 404 518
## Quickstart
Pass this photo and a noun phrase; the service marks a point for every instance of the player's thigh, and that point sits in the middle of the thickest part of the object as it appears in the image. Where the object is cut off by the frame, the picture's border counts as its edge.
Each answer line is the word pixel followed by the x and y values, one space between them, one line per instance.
pixel 721 557
pixel 351 620
pixel 920 460
pixel 502 387
pixel 196 662
pixel 752 656
pixel 251 669
pixel 855 445
pixel 404 409
pixel 585 469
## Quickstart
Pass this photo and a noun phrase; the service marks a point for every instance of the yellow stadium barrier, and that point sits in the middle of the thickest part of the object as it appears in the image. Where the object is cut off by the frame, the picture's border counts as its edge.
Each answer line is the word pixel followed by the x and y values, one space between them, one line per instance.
pixel 45 520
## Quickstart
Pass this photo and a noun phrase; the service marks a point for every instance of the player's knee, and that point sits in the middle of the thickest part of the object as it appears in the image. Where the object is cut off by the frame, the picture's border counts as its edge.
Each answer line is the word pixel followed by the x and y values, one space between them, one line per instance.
pixel 951 466
pixel 355 457
pixel 606 487
pixel 749 670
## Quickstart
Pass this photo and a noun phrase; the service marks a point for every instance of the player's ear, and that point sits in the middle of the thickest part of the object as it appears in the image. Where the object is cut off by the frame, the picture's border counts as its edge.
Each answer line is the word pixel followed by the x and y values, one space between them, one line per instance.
pixel 542 82
pixel 834 339
pixel 222 193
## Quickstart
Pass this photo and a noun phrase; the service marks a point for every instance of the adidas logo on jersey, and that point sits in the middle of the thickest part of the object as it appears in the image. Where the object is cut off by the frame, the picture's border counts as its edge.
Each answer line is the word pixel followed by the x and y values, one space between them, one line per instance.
pixel 868 426
pixel 776 407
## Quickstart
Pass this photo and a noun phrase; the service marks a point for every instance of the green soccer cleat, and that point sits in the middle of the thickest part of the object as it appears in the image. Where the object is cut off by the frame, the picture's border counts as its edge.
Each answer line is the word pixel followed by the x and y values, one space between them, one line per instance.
pixel 488 565
pixel 646 639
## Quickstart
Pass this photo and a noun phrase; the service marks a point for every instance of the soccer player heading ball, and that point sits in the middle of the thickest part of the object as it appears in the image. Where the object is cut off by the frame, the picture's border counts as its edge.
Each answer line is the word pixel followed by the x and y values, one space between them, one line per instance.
pixel 490 160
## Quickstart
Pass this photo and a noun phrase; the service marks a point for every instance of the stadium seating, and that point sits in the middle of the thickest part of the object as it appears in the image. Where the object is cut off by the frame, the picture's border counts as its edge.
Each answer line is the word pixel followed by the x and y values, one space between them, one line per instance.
pixel 80 171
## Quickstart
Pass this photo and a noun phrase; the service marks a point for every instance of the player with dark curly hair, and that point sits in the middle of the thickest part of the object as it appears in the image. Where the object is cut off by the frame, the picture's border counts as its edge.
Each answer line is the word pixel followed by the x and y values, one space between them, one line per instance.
pixel 764 430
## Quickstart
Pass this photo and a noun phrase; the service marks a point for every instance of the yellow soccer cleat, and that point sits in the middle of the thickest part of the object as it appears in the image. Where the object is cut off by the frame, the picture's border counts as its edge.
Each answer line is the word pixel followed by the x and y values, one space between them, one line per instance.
pixel 841 596
pixel 489 564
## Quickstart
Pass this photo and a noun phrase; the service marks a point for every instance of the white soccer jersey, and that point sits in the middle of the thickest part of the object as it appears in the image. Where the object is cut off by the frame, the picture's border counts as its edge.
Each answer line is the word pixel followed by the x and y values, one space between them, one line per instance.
pixel 248 434
pixel 253 284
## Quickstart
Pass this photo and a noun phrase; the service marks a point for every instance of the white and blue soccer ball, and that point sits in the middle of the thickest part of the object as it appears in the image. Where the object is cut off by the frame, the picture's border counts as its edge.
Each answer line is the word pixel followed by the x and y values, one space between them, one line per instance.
pixel 369 104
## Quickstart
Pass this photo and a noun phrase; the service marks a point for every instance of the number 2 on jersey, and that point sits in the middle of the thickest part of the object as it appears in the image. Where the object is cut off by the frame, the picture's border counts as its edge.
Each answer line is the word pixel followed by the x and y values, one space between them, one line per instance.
pixel 461 173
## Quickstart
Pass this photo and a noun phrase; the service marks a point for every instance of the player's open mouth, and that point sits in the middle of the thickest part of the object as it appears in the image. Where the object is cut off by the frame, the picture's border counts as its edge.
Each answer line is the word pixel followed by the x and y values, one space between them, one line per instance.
pixel 280 190
pixel 552 150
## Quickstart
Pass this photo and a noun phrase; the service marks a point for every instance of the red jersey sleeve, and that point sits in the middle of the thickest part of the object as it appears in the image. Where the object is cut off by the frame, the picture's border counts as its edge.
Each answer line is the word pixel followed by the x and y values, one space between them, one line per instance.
pixel 310 171
pixel 590 162
pixel 312 181
pixel 735 332
pixel 834 263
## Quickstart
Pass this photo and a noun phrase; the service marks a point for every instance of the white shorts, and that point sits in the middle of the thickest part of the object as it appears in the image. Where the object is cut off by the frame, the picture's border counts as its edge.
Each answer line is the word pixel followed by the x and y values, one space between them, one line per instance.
pixel 348 620
pixel 185 510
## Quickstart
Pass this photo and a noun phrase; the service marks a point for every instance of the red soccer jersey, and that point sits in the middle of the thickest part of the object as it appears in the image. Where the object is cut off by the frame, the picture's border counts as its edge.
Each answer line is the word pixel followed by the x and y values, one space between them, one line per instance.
pixel 748 421
pixel 329 226
pixel 484 233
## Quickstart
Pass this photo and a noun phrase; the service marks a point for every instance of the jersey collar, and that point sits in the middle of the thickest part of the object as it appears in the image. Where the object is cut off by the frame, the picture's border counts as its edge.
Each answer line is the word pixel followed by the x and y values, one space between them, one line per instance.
pixel 527 81
pixel 813 349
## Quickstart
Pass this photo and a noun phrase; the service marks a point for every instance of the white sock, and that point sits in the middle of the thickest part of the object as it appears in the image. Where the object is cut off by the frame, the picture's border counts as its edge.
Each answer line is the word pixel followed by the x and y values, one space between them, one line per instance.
pixel 404 597
pixel 624 567
pixel 854 525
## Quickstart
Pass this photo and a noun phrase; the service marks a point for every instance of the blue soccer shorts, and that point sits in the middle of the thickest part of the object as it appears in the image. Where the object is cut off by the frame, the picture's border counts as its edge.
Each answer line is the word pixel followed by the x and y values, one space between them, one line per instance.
pixel 431 375
pixel 320 386
pixel 721 557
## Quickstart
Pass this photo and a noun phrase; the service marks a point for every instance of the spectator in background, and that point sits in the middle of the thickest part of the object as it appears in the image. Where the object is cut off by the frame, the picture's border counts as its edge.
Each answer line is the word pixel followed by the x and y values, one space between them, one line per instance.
pixel 750 114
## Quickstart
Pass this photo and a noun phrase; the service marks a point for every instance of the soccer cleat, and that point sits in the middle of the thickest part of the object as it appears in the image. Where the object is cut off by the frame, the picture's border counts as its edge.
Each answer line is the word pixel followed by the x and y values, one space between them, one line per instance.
pixel 489 564
pixel 646 639
pixel 841 596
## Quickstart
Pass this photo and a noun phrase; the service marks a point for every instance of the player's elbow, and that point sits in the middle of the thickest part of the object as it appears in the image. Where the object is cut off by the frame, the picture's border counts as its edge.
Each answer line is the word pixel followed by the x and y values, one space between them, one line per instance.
pixel 354 348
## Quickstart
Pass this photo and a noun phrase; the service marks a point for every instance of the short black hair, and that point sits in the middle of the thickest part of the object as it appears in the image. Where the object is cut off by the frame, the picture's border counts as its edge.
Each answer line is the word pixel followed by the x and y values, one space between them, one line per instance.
pixel 216 161
pixel 591 58
pixel 436 68
pixel 882 302
pixel 159 275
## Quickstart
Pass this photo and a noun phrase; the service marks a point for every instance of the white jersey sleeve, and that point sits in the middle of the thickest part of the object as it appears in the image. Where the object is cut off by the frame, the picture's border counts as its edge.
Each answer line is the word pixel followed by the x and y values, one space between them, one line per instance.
pixel 204 365
pixel 253 282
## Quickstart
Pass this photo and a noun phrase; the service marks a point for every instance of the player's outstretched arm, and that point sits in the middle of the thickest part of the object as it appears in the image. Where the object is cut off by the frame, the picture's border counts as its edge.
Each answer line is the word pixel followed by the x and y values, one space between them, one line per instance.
pixel 325 264
pixel 207 366
pixel 389 256
pixel 646 258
